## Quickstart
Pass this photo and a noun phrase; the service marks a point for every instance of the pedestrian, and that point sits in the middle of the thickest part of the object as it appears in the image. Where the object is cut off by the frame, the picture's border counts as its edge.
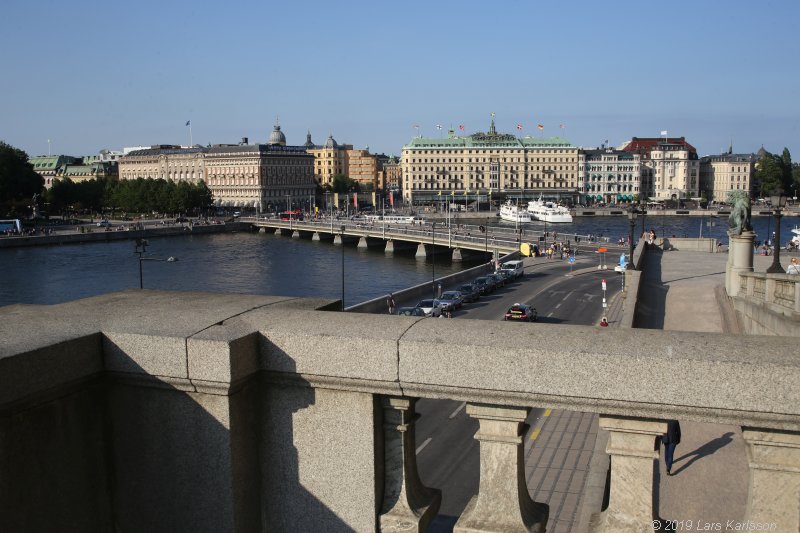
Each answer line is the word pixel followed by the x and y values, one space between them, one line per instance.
pixel 794 267
pixel 671 439
pixel 391 303
pixel 604 322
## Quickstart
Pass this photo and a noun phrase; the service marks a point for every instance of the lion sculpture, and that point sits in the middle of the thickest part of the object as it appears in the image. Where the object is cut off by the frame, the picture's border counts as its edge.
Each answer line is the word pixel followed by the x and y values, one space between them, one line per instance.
pixel 739 219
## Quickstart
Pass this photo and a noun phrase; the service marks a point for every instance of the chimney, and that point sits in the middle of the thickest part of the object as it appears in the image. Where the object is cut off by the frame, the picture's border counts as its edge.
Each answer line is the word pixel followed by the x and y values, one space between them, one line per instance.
pixel 244 140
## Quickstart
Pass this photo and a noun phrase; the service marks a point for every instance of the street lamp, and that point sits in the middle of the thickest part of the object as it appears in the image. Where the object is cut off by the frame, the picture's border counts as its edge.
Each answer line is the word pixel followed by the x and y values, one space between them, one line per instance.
pixel 140 248
pixel 433 255
pixel 341 236
pixel 778 200
pixel 632 219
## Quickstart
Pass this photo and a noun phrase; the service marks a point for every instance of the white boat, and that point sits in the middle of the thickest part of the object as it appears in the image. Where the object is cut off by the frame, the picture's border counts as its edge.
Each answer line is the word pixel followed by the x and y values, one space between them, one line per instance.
pixel 512 213
pixel 548 211
pixel 796 237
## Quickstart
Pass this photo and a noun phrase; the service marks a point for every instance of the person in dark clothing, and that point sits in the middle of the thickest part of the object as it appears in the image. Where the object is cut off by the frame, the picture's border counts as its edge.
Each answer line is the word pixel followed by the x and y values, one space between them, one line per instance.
pixel 391 303
pixel 671 439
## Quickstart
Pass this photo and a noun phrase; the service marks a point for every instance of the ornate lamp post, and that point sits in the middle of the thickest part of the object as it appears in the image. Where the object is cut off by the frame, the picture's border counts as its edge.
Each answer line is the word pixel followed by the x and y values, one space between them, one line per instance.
pixel 341 236
pixel 632 220
pixel 778 203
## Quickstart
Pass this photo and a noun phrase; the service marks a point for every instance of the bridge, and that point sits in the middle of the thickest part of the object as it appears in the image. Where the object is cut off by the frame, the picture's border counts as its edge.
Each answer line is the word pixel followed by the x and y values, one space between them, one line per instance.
pixel 429 239
pixel 163 411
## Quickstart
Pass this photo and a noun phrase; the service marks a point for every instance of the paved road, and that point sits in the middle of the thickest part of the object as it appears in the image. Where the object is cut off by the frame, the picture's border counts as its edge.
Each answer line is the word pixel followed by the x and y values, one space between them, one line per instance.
pixel 447 453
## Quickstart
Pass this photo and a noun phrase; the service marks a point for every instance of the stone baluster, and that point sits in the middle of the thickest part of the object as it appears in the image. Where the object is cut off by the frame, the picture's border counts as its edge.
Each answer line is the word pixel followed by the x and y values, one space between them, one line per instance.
pixel 774 492
pixel 632 447
pixel 408 505
pixel 503 502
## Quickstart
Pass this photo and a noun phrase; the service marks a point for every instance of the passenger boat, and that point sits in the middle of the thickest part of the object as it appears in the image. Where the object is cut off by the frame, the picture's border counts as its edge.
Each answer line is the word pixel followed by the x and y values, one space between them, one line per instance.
pixel 548 211
pixel 512 213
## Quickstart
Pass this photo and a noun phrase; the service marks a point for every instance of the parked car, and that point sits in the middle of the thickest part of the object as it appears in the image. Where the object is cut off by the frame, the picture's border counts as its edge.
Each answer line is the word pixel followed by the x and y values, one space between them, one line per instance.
pixel 470 292
pixel 451 300
pixel 431 307
pixel 516 267
pixel 103 224
pixel 485 284
pixel 521 313
pixel 499 281
pixel 410 311
pixel 507 275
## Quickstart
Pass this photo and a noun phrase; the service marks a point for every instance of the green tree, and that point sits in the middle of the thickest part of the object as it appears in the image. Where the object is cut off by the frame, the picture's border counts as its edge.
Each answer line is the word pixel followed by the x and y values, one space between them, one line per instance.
pixel 344 184
pixel 18 181
pixel 770 174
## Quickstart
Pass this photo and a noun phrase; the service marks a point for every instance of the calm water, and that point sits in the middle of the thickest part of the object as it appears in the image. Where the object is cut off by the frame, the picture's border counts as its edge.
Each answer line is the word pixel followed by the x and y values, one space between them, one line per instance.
pixel 265 264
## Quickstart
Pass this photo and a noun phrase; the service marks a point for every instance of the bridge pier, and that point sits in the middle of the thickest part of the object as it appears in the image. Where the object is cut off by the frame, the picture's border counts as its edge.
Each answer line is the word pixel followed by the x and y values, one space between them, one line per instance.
pixel 295 234
pixel 421 252
pixel 362 243
pixel 277 231
pixel 337 239
pixel 457 255
pixel 389 247
pixel 315 236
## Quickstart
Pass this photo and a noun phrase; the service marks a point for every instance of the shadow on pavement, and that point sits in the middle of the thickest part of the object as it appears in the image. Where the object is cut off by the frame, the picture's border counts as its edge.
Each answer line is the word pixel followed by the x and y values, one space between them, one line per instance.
pixel 651 302
pixel 706 449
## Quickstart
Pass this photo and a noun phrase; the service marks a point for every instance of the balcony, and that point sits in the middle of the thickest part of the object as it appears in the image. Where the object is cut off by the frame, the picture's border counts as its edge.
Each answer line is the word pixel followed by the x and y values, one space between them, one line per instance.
pixel 158 411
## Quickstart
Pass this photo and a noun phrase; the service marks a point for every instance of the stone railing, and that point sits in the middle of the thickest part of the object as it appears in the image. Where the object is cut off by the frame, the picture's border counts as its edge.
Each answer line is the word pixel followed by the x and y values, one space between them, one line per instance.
pixel 769 304
pixel 158 411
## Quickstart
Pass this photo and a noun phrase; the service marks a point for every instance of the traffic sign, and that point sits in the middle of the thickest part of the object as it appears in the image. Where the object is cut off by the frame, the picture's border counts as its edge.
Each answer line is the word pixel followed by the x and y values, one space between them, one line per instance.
pixel 602 250
pixel 571 259
pixel 604 284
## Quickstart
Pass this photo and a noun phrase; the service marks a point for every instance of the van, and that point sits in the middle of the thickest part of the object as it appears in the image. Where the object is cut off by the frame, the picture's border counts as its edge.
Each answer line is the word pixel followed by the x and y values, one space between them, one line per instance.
pixel 515 266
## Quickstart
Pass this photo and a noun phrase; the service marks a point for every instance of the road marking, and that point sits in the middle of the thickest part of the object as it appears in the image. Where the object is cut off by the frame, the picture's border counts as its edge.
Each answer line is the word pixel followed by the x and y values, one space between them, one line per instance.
pixel 458 410
pixel 535 433
pixel 558 305
pixel 422 446
pixel 549 315
pixel 547 412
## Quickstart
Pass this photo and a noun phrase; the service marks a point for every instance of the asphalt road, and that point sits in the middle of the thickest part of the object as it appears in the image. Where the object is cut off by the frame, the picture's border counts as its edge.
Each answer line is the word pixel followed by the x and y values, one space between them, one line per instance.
pixel 447 453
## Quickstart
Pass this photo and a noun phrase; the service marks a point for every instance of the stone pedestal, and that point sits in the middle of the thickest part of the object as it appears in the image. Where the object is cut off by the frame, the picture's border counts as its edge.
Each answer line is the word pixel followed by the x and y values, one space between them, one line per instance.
pixel 457 255
pixel 408 505
pixel 503 503
pixel 389 247
pixel 632 447
pixel 740 259
pixel 774 491
pixel 362 243
pixel 421 252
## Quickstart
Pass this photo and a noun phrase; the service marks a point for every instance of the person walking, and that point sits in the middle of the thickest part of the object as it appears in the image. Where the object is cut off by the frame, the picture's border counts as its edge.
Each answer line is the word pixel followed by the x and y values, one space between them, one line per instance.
pixel 794 267
pixel 671 439
pixel 391 303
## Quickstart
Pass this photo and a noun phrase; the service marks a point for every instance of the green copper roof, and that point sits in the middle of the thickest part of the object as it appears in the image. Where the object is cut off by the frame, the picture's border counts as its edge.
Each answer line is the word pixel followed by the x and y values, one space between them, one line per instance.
pixel 50 162
pixel 491 139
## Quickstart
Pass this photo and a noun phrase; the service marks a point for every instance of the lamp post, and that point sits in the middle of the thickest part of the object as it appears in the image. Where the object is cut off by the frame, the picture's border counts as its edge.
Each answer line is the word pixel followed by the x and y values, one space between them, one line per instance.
pixel 632 219
pixel 140 249
pixel 341 236
pixel 778 203
pixel 433 256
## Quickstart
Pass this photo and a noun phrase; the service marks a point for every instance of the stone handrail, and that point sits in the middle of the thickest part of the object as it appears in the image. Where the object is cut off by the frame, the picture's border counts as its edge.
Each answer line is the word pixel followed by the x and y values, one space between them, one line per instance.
pixel 768 304
pixel 187 411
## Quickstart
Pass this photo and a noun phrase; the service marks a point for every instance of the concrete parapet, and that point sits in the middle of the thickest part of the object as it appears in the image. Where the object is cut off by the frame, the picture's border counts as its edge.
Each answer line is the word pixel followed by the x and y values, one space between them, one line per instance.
pixel 213 418
pixel 688 244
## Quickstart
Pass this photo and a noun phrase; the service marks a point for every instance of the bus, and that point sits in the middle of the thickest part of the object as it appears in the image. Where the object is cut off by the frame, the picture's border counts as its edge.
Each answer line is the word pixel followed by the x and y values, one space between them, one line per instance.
pixel 395 219
pixel 294 214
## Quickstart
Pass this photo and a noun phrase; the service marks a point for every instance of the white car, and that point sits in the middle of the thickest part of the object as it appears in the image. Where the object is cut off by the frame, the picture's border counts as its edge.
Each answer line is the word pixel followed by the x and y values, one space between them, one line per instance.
pixel 430 307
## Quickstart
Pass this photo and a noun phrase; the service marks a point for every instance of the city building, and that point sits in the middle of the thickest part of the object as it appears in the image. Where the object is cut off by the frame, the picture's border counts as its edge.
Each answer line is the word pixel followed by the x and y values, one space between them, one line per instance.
pixel 84 171
pixel 480 165
pixel 164 161
pixel 609 176
pixel 671 168
pixel 392 174
pixel 363 167
pixel 50 167
pixel 330 159
pixel 265 177
pixel 720 174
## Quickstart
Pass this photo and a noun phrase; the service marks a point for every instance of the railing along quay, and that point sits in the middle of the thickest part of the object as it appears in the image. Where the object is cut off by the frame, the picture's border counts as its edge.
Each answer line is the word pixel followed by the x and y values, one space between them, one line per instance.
pixel 169 411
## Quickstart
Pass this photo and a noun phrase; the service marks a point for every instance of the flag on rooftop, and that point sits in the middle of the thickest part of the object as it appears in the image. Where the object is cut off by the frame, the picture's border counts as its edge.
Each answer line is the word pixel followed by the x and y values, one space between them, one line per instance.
pixel 561 126
pixel 540 126
pixel 438 126
pixel 519 126
pixel 461 127
pixel 663 132
pixel 188 122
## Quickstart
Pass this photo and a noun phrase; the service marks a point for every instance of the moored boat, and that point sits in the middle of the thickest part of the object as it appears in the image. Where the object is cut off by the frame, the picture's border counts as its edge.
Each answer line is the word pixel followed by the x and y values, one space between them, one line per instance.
pixel 549 211
pixel 512 213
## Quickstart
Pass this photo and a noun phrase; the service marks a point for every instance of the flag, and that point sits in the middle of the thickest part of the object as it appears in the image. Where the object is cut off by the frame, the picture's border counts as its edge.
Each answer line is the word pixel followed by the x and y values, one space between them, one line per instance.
pixel 391 198
pixel 664 132
pixel 561 126
pixel 461 127
pixel 188 122
pixel 519 126
pixel 374 202
pixel 540 126
pixel 465 192
pixel 452 193
pixel 438 126
pixel 355 199
pixel 439 193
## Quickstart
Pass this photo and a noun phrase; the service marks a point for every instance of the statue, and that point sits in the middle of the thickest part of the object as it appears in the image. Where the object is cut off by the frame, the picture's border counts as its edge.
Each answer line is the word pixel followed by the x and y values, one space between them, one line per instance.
pixel 739 219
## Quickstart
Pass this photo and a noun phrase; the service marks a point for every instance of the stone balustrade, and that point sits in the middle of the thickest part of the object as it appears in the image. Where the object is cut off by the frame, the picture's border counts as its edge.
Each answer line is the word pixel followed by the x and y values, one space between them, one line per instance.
pixel 158 411
pixel 768 304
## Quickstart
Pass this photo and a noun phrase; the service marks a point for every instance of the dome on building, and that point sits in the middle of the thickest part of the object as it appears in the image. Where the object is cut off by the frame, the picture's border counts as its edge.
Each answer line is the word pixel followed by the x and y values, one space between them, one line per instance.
pixel 308 144
pixel 277 136
pixel 331 143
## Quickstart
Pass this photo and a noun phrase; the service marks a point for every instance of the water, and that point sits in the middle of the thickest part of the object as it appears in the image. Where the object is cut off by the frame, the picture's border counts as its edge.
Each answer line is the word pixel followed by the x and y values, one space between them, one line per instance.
pixel 256 263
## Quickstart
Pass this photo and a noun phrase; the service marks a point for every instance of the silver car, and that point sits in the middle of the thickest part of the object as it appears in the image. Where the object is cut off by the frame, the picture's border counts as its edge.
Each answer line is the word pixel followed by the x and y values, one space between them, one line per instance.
pixel 431 307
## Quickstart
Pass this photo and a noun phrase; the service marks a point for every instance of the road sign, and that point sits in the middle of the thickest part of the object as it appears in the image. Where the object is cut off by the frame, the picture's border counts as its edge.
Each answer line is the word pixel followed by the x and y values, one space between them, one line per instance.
pixel 604 284
pixel 602 250
pixel 571 259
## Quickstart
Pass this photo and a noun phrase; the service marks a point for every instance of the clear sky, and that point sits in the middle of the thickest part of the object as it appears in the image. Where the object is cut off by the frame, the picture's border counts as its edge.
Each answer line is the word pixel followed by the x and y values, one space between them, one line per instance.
pixel 90 75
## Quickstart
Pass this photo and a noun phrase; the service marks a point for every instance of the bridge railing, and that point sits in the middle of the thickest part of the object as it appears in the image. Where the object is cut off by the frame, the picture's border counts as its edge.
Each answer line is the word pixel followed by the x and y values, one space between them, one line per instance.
pixel 164 411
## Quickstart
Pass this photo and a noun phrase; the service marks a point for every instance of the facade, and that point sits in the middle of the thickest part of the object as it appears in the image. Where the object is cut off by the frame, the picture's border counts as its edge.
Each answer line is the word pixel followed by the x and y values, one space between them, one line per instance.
pixel 363 167
pixel 330 159
pixel 482 164
pixel 672 166
pixel 164 161
pixel 609 176
pixel 264 177
pixel 51 167
pixel 89 171
pixel 720 174
pixel 392 174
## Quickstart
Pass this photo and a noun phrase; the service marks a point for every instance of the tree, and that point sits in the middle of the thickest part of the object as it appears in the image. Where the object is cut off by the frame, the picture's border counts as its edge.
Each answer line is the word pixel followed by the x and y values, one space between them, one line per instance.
pixel 18 181
pixel 344 184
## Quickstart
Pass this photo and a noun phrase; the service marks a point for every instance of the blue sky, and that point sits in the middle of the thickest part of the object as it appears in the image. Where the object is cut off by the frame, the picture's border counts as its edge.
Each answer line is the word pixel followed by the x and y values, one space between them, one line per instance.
pixel 90 75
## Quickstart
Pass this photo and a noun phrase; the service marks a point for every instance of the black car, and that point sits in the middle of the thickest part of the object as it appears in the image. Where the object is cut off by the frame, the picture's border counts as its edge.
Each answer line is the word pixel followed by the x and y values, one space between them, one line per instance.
pixel 469 292
pixel 485 284
pixel 521 313
pixel 499 281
